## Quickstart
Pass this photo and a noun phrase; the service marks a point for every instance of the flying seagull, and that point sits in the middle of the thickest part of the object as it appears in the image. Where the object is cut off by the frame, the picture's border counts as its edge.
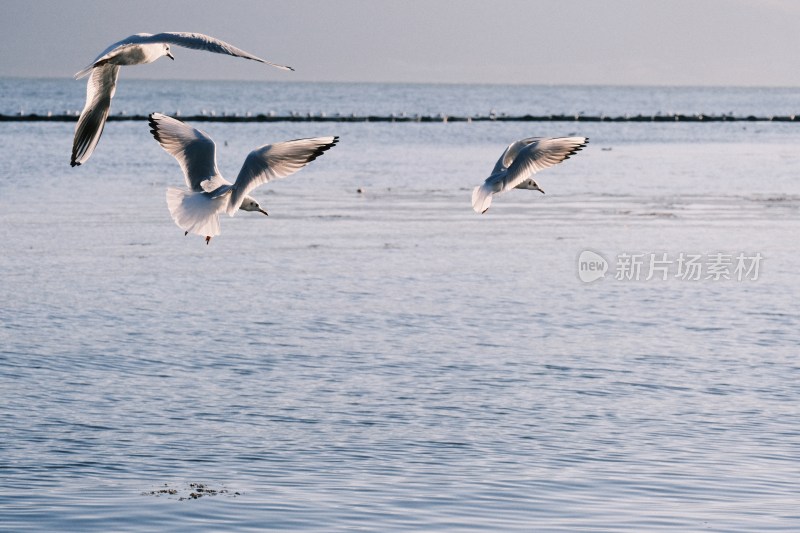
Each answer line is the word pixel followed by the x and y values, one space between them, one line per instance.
pixel 521 160
pixel 197 208
pixel 135 50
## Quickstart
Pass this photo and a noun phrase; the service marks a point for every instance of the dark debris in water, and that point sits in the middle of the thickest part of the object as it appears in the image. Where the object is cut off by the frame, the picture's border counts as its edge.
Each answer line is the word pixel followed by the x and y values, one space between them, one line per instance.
pixel 192 491
pixel 161 491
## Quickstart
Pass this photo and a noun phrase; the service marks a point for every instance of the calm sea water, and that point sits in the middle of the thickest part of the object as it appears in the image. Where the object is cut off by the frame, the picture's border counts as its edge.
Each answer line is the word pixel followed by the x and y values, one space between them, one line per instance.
pixel 389 360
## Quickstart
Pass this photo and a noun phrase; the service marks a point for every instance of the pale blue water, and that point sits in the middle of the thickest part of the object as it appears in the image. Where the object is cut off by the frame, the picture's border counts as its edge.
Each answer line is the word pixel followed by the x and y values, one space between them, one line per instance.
pixel 391 361
pixel 191 97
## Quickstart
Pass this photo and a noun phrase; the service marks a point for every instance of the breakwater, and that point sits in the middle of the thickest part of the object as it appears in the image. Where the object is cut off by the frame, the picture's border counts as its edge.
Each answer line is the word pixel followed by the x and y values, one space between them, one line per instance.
pixel 323 117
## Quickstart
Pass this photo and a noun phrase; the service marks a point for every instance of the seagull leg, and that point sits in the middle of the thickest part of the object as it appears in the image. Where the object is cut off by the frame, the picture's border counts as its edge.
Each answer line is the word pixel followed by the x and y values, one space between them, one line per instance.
pixel 208 239
pixel 185 233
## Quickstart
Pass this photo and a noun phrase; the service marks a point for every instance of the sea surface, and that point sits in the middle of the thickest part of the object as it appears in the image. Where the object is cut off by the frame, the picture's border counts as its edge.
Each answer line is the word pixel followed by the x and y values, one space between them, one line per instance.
pixel 375 356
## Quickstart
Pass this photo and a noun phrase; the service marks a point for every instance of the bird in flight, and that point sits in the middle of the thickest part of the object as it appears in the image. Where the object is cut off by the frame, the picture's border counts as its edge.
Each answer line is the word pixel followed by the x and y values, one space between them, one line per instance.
pixel 135 50
pixel 196 209
pixel 520 161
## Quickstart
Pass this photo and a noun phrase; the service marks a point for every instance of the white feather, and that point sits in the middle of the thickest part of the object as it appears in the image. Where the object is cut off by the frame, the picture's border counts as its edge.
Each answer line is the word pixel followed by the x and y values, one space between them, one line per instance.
pixel 195 212
pixel 100 90
pixel 481 198
pixel 194 150
pixel 274 161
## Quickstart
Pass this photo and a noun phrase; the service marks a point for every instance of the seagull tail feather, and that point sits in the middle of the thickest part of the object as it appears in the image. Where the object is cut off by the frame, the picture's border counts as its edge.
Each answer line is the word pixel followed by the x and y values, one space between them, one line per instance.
pixel 195 212
pixel 481 198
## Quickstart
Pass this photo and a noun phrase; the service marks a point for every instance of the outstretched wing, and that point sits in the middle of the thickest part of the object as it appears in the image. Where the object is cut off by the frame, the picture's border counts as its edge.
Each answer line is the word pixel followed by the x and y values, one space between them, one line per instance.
pixel 273 161
pixel 100 90
pixel 196 41
pixel 194 150
pixel 199 41
pixel 536 156
pixel 511 153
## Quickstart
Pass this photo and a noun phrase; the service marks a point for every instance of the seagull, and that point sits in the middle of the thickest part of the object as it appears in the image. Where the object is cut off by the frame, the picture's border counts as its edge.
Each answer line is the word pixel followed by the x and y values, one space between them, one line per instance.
pixel 521 160
pixel 197 208
pixel 135 50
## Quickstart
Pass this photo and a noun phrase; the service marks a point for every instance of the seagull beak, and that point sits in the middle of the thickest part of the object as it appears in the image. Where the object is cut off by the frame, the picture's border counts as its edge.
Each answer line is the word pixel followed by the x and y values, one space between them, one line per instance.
pixel 172 57
pixel 263 211
pixel 540 190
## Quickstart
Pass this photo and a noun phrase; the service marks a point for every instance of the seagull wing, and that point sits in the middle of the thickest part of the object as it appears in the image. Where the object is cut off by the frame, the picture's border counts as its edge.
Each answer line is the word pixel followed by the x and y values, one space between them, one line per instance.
pixel 273 161
pixel 100 90
pixel 199 41
pixel 511 153
pixel 194 150
pixel 196 41
pixel 534 157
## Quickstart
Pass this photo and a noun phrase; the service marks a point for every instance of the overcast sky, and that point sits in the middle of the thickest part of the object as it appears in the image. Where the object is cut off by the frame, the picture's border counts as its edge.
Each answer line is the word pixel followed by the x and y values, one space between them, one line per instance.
pixel 619 42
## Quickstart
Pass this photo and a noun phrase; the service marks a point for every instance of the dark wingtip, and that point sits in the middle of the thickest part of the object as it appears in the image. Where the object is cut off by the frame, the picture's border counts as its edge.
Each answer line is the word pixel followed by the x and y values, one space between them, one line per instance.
pixel 577 148
pixel 153 127
pixel 74 163
pixel 330 145
pixel 322 149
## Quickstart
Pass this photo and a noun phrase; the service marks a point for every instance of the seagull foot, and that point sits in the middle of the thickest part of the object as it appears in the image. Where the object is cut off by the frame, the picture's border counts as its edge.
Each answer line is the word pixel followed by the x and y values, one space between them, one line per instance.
pixel 185 233
pixel 208 239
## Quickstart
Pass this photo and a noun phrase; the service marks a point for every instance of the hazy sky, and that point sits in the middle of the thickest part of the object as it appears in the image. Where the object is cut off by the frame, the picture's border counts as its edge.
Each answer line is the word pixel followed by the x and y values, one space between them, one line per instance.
pixel 654 42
